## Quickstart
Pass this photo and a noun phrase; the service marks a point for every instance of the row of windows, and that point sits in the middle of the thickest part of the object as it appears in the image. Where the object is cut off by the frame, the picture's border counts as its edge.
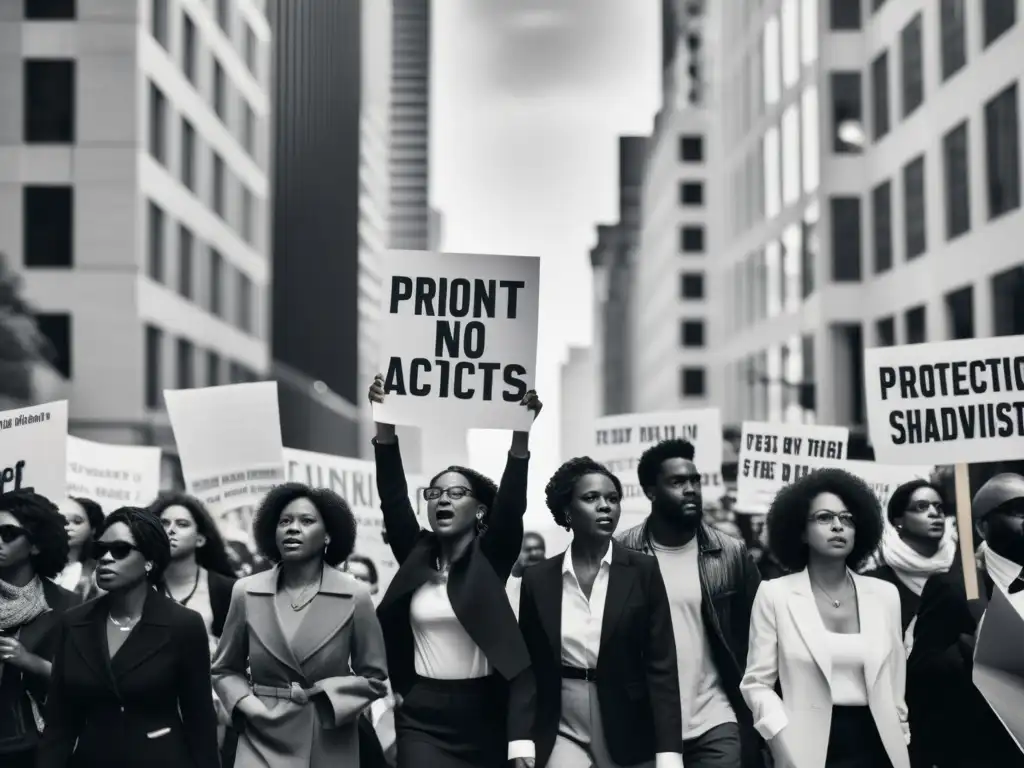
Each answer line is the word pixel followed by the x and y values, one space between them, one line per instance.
pixel 190 250
pixel 186 375
pixel 998 16
pixel 161 30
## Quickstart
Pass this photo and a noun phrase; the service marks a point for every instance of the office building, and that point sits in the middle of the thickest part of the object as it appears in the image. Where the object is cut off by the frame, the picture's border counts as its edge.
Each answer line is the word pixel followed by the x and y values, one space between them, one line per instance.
pixel 134 197
pixel 578 403
pixel 872 157
pixel 331 191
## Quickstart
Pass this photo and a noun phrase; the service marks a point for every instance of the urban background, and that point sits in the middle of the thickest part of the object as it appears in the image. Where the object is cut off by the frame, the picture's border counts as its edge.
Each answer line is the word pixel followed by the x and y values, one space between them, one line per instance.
pixel 198 192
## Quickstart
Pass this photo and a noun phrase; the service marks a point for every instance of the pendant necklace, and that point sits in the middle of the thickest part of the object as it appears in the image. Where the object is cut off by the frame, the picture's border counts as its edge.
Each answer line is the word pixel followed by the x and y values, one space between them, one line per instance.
pixel 835 603
pixel 442 572
pixel 302 601
pixel 128 626
pixel 189 596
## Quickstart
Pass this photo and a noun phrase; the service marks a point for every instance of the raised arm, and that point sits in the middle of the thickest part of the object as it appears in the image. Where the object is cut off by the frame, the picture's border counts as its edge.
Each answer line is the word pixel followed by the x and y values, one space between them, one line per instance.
pixel 63 718
pixel 197 713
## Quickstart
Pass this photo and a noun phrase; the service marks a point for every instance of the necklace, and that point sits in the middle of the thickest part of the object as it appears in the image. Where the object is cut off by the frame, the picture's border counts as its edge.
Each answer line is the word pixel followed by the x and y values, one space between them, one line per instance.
pixel 189 596
pixel 835 603
pixel 128 626
pixel 301 600
pixel 442 571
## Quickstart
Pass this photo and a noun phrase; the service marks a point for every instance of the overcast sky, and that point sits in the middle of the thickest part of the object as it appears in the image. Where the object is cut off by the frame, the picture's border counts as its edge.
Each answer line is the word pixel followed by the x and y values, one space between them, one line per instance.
pixel 528 100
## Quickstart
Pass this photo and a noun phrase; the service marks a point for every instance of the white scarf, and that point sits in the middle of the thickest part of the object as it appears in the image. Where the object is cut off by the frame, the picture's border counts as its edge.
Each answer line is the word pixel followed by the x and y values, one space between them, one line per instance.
pixel 911 567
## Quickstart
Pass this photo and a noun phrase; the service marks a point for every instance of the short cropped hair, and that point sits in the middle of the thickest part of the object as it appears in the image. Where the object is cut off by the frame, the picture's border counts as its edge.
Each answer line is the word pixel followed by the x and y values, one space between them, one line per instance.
pixel 788 516
pixel 558 492
pixel 651 460
pixel 150 538
pixel 900 499
pixel 44 523
pixel 339 522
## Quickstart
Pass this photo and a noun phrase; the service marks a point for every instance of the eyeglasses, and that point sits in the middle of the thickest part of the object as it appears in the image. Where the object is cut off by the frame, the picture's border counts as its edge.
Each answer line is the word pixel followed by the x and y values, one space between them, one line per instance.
pixel 827 518
pixel 924 506
pixel 118 550
pixel 11 533
pixel 455 493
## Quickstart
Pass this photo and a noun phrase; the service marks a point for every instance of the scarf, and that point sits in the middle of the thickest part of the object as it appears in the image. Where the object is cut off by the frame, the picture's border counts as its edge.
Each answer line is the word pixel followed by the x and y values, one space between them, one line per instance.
pixel 20 605
pixel 913 568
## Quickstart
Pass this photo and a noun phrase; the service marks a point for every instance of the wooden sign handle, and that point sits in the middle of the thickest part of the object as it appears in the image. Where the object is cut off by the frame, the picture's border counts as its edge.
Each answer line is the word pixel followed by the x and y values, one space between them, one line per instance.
pixel 965 525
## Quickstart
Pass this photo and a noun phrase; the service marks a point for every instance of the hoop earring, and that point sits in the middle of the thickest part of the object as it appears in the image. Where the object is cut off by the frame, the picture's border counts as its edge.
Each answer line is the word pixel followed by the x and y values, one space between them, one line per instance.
pixel 568 520
pixel 481 526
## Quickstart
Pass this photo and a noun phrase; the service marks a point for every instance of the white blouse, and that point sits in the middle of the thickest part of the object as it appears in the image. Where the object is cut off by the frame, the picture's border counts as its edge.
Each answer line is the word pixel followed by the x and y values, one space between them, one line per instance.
pixel 443 648
pixel 849 684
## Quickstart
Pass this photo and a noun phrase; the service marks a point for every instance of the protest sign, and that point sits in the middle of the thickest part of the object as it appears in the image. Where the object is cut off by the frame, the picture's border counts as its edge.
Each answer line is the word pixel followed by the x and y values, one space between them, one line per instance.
pixel 949 402
pixel 774 455
pixel 619 441
pixel 229 441
pixel 883 479
pixel 999 663
pixel 113 475
pixel 458 340
pixel 355 481
pixel 33 449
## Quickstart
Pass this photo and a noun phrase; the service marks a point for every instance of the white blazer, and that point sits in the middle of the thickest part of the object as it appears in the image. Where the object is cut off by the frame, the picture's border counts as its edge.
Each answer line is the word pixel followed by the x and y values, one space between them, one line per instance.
pixel 788 643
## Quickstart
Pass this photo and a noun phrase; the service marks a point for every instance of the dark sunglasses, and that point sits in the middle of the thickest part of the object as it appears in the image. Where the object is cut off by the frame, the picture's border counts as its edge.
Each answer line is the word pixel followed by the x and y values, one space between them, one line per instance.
pixel 118 550
pixel 11 533
pixel 454 493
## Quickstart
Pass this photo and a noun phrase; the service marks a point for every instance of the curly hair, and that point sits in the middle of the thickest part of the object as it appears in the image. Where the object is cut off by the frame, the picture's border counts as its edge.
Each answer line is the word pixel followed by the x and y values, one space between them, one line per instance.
pixel 213 555
pixel 150 537
pixel 94 514
pixel 900 499
pixel 484 489
pixel 560 488
pixel 339 522
pixel 788 516
pixel 651 460
pixel 44 523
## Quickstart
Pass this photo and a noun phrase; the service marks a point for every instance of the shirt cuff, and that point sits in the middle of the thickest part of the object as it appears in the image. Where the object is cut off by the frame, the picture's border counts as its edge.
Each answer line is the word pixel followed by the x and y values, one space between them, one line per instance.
pixel 668 760
pixel 770 725
pixel 378 709
pixel 522 748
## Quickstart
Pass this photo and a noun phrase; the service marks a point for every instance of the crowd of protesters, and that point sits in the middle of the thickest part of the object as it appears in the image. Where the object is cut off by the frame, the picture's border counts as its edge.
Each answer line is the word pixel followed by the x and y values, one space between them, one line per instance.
pixel 838 635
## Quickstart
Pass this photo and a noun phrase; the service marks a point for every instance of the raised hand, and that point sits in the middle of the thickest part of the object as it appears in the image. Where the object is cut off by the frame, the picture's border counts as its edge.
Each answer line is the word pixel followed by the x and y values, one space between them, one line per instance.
pixel 376 393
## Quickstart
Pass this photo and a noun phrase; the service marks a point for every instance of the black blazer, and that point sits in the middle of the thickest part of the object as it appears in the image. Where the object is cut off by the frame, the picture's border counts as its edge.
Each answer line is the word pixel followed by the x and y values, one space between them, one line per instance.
pixel 637 677
pixel 476 582
pixel 909 602
pixel 124 712
pixel 220 587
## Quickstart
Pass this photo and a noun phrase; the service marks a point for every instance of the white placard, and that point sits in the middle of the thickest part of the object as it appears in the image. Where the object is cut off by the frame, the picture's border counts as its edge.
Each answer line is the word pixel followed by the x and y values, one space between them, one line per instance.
pixel 33 449
pixel 229 441
pixel 774 455
pixel 355 481
pixel 884 479
pixel 458 340
pixel 113 475
pixel 952 402
pixel 619 441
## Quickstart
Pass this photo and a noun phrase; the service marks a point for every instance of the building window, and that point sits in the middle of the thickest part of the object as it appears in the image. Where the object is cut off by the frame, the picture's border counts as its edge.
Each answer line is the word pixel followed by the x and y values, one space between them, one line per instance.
pixel 188 155
pixel 809 250
pixel 691 239
pixel 691 286
pixel 244 305
pixel 157 124
pixel 56 327
pixel 219 184
pixel 212 369
pixel 771 61
pixel 881 216
pixel 49 10
pixel 960 313
pixel 49 101
pixel 880 95
pixel 248 216
pixel 160 23
pixel 691 149
pixel 915 324
pixel 1008 302
pixel 691 333
pixel 844 15
pixel 914 211
pixel 154 366
pixel 220 91
pixel 1002 152
pixel 692 382
pixel 885 332
pixel 216 282
pixel 953 31
pixel 691 193
pixel 155 226
pixel 847 113
pixel 190 49
pixel 958 183
pixel 186 258
pixel 846 246
pixel 185 364
pixel 911 66
pixel 48 222
pixel 224 16
pixel 249 129
pixel 251 49
pixel 999 16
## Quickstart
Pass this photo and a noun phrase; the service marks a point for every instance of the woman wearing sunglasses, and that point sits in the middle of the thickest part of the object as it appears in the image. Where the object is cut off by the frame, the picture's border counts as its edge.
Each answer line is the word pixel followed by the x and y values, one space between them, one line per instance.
pixel 454 647
pixel 131 674
pixel 33 549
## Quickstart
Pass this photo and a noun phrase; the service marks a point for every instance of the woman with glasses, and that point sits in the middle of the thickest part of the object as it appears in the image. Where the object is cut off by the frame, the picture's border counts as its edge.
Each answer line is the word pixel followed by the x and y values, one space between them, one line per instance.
pixel 33 549
pixel 917 543
pixel 454 647
pixel 829 638
pixel 131 672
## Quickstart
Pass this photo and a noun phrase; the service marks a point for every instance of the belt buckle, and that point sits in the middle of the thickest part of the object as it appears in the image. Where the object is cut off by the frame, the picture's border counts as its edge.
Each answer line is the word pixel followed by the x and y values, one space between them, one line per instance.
pixel 590 675
pixel 297 694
